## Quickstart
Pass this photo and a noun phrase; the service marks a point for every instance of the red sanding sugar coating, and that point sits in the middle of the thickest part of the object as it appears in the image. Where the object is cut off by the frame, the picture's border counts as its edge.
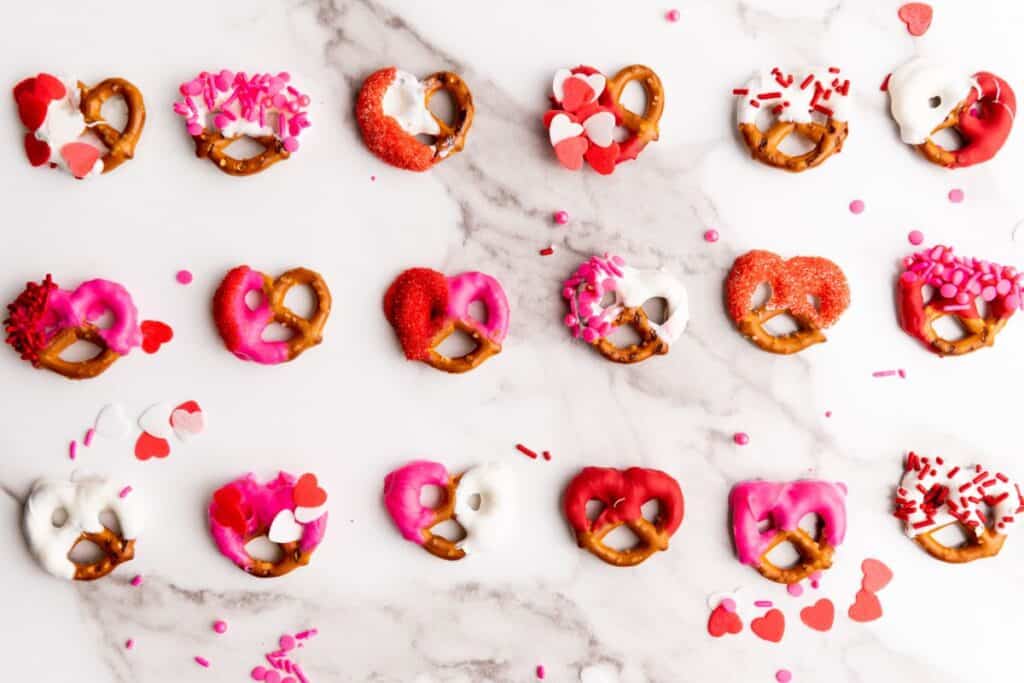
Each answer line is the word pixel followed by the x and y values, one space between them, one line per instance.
pixel 793 284
pixel 25 327
pixel 416 304
pixel 381 133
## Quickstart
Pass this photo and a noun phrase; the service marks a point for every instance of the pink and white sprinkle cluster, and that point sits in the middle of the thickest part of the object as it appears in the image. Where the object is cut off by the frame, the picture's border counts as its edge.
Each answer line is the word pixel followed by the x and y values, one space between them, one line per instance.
pixel 231 99
pixel 280 661
pixel 960 279
pixel 584 290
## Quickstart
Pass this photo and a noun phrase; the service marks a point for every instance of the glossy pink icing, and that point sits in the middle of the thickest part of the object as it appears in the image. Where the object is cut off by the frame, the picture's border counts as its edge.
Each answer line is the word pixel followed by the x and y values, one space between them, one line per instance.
pixel 784 504
pixel 402 496
pixel 88 303
pixel 264 500
pixel 250 322
pixel 471 287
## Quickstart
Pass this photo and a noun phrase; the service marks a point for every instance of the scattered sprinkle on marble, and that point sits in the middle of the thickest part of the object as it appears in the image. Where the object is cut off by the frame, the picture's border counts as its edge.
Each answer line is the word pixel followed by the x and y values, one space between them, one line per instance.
pixel 123 493
pixel 956 195
pixel 857 206
pixel 741 438
pixel 373 179
pixel 258 673
pixel 220 626
pixel 137 580
pixel 783 676
pixel 561 217
pixel 526 451
pixel 89 433
pixel 540 671
pixel 129 644
pixel 547 251
pixel 795 589
pixel 885 83
pixel 202 661
pixel 184 277
pixel 828 413
pixel 547 455
pixel 711 235
pixel 915 237
pixel 672 15
pixel 73 449
pixel 762 603
pixel 890 373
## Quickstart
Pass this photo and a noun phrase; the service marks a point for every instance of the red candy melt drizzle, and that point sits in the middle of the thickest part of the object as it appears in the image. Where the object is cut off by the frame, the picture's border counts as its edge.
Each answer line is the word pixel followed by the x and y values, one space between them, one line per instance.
pixel 25 326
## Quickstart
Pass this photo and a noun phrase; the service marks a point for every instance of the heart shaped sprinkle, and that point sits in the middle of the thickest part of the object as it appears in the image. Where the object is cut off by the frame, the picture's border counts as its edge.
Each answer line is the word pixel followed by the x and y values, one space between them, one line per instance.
pixel 820 615
pixel 577 92
pixel 570 152
pixel 877 575
pixel 154 335
pixel 148 446
pixel 563 128
pixel 723 621
pixel 770 627
pixel 307 493
pixel 917 16
pixel 603 159
pixel 865 607
pixel 600 128
pixel 155 420
pixel 37 151
pixel 284 528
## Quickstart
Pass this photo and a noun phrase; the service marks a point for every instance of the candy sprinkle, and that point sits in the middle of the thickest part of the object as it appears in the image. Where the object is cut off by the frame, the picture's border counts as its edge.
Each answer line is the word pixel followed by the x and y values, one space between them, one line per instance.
pixel 741 438
pixel 956 195
pixel 129 644
pixel 795 589
pixel 915 237
pixel 123 493
pixel 711 235
pixel 202 661
pixel 183 277
pixel 783 676
pixel 220 626
pixel 540 671
pixel 857 206
pixel 73 450
pixel 137 580
pixel 547 251
pixel 561 217
pixel 89 433
pixel 526 451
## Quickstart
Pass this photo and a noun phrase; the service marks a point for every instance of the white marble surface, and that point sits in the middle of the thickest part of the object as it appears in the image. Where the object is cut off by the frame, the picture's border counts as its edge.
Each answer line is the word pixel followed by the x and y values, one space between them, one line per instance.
pixel 352 409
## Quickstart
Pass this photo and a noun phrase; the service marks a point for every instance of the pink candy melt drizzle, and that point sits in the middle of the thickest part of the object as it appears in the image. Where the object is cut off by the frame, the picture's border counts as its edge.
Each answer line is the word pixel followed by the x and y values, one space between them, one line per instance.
pixel 251 323
pixel 402 496
pixel 468 288
pixel 183 277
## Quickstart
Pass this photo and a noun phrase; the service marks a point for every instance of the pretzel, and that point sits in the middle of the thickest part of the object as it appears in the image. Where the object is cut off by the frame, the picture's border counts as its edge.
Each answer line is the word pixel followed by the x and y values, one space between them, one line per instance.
pixel 425 308
pixel 982 114
pixel 393 107
pixel 264 108
pixel 623 493
pixel 793 283
pixel 45 320
pixel 934 494
pixel 241 327
pixel 488 520
pixel 957 282
pixel 587 109
pixel 784 504
pixel 288 511
pixel 631 288
pixel 82 502
pixel 59 116
pixel 809 103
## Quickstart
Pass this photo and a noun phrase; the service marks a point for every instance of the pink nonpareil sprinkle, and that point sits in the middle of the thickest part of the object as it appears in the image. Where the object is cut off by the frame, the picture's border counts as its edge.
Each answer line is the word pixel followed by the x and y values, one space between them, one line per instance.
pixel 741 438
pixel 258 673
pixel 540 671
pixel 220 626
pixel 561 217
pixel 89 433
pixel 129 644
pixel 287 643
pixel 137 580
pixel 711 235
pixel 857 206
pixel 915 237
pixel 123 493
pixel 73 450
pixel 783 676
pixel 956 195
pixel 202 661
pixel 183 277
pixel 672 15
pixel 795 589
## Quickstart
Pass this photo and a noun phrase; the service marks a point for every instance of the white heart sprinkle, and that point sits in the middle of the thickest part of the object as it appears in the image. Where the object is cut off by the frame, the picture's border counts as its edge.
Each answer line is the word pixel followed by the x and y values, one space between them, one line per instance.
pixel 600 128
pixel 112 422
pixel 156 420
pixel 284 528
pixel 307 515
pixel 563 128
pixel 597 83
pixel 558 85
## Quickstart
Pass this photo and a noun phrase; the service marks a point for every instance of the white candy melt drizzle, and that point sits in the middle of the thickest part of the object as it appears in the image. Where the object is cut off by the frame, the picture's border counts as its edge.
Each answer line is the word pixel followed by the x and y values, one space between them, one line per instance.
pixel 795 96
pixel 64 124
pixel 488 525
pixel 83 500
pixel 921 95
pixel 934 494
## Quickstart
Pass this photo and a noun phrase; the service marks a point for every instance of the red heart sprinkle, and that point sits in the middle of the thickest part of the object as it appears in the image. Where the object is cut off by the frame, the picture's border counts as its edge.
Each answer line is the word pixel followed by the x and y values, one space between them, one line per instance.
pixel 917 16
pixel 307 494
pixel 723 621
pixel 769 627
pixel 154 334
pixel 50 86
pixel 228 509
pixel 37 151
pixel 32 111
pixel 148 446
pixel 603 159
pixel 80 157
pixel 820 615
pixel 570 152
pixel 876 575
pixel 865 607
pixel 576 93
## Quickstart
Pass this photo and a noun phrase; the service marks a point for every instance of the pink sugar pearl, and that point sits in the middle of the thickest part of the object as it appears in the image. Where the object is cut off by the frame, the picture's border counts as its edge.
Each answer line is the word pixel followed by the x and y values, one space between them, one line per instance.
pixel 183 277
pixel 741 438
pixel 272 677
pixel 561 217
pixel 783 676
pixel 857 206
pixel 220 626
pixel 728 604
pixel 915 237
pixel 672 15
pixel 290 144
pixel 956 195
pixel 795 589
pixel 711 235
pixel 258 673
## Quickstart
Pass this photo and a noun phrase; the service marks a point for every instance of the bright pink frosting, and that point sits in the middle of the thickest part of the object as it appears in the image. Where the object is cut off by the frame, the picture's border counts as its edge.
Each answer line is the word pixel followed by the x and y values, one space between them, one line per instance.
pixel 249 323
pixel 467 288
pixel 262 502
pixel 402 496
pixel 87 303
pixel 784 504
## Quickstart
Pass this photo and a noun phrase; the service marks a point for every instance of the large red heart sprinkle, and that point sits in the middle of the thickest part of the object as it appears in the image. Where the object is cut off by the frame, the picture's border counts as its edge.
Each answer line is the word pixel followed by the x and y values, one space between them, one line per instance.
pixel 917 16
pixel 80 157
pixel 876 575
pixel 50 86
pixel 154 334
pixel 148 446
pixel 723 621
pixel 307 493
pixel 820 615
pixel 603 159
pixel 32 111
pixel 228 509
pixel 769 627
pixel 37 151
pixel 866 607
pixel 576 93
pixel 570 152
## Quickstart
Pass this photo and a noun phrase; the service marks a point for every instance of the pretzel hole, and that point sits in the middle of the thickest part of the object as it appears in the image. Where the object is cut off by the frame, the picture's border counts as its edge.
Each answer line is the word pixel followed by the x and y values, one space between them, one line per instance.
pixel 80 351
pixel 105 320
pixel 765 524
pixel 85 552
pixel 656 309
pixel 59 517
pixel 784 555
pixel 478 312
pixel 952 536
pixel 244 147
pixel 795 145
pixel 431 496
pixel 624 336
pixel 115 112
pixel 474 501
pixel 442 105
pixel 450 530
pixel 621 538
pixel 109 519
pixel 948 138
pixel 254 299
pixel 301 300
pixel 634 98
pixel 812 524
pixel 593 509
pixel 949 328
pixel 651 510
pixel 263 549
pixel 456 345
pixel 781 325
pixel 276 332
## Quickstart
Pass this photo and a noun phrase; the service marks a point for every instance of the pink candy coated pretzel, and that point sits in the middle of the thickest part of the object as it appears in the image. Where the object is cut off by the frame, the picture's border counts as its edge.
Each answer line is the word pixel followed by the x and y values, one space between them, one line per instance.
pixel 468 288
pixel 784 504
pixel 402 497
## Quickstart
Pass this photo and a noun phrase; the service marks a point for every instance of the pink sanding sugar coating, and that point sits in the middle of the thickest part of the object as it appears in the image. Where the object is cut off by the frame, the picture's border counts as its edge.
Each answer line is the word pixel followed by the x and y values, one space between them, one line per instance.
pixel 956 195
pixel 183 277
pixel 741 438
pixel 915 237
pixel 710 235
pixel 261 502
pixel 785 504
pixel 857 206
pixel 795 589
pixel 402 496
pixel 468 288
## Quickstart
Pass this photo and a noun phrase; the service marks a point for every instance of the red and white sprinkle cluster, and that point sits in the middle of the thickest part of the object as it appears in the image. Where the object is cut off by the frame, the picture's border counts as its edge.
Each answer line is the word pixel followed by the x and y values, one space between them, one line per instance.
pixel 816 91
pixel 959 280
pixel 284 670
pixel 266 102
pixel 934 493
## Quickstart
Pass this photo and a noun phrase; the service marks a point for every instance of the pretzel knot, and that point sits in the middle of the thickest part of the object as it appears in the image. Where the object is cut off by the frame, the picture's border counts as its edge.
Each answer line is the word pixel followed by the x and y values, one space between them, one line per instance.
pixel 623 493
pixel 120 143
pixel 241 327
pixel 812 290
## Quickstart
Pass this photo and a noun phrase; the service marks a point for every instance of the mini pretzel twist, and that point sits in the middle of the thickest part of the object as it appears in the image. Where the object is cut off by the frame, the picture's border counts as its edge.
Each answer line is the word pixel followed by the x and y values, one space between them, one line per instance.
pixel 649 345
pixel 50 359
pixel 440 546
pixel 308 332
pixel 451 138
pixel 752 327
pixel 651 540
pixel 643 126
pixel 120 143
pixel 980 332
pixel 815 555
pixel 116 551
pixel 827 137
